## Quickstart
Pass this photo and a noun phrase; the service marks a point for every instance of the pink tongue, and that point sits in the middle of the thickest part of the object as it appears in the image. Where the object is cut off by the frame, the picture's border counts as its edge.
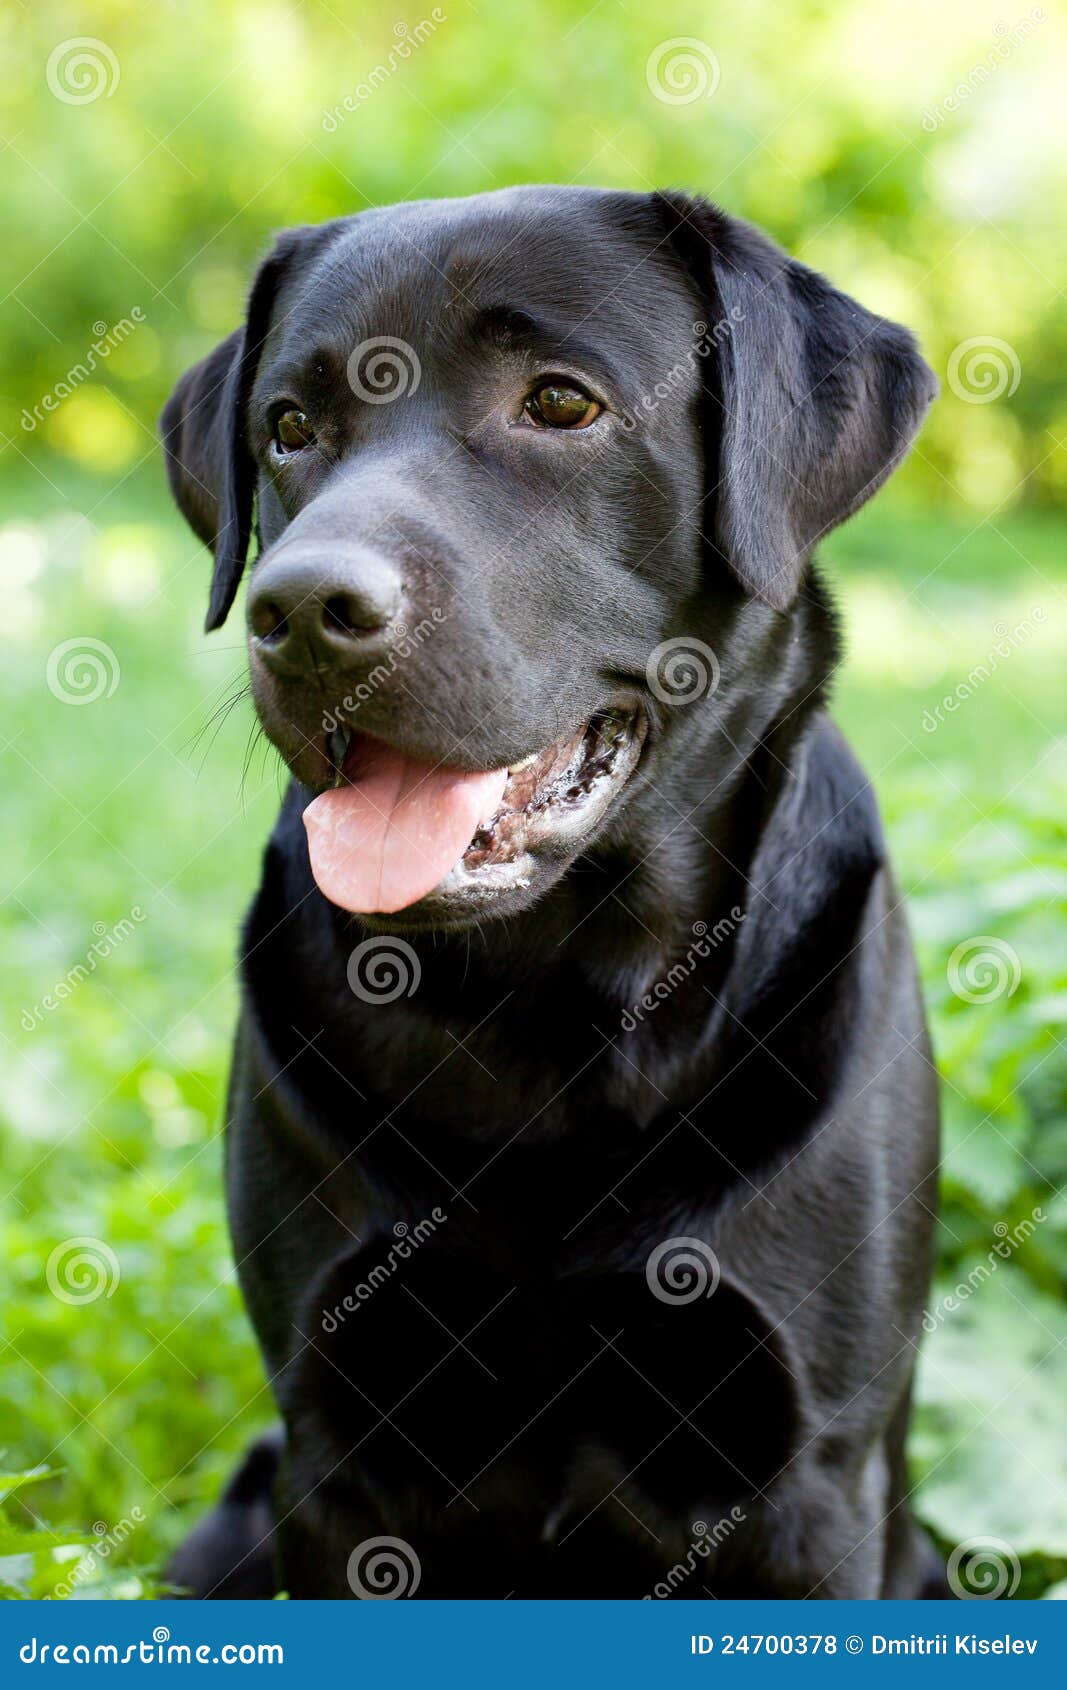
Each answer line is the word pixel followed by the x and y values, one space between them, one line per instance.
pixel 384 842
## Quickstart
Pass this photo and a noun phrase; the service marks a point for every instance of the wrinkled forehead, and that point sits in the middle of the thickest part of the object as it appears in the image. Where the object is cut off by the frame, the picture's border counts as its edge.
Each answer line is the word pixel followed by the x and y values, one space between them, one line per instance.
pixel 566 267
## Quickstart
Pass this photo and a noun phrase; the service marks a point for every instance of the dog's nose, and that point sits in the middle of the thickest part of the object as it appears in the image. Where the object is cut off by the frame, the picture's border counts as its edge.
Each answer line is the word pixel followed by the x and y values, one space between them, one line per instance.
pixel 306 605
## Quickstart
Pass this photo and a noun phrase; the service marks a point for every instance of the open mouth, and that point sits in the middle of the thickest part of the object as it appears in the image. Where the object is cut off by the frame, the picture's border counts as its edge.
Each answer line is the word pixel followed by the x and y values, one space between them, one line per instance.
pixel 395 831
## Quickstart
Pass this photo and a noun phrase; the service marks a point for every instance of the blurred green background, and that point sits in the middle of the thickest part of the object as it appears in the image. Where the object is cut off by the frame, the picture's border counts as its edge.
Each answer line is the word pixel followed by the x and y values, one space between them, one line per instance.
pixel 918 154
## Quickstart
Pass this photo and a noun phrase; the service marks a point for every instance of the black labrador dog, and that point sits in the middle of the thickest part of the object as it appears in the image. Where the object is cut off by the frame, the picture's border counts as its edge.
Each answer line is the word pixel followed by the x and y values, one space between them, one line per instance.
pixel 582 1135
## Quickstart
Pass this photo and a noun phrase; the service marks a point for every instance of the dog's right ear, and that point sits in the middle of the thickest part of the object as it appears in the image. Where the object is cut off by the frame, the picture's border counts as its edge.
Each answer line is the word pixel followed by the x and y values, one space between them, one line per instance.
pixel 210 468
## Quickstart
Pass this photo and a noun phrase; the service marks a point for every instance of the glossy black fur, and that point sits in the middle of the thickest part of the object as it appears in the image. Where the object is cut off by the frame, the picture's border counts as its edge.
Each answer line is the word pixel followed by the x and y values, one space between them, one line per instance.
pixel 512 1401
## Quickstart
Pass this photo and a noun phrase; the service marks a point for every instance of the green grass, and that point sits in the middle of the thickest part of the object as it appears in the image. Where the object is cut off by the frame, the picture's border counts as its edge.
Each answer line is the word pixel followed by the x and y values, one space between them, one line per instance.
pixel 133 1405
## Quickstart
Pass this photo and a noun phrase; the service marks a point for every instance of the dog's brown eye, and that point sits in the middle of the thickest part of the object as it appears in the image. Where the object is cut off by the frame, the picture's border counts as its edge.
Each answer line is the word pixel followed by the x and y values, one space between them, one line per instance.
pixel 293 431
pixel 555 405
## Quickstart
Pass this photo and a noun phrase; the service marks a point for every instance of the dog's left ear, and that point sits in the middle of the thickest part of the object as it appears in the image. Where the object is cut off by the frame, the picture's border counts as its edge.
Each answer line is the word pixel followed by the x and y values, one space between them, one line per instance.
pixel 210 468
pixel 819 398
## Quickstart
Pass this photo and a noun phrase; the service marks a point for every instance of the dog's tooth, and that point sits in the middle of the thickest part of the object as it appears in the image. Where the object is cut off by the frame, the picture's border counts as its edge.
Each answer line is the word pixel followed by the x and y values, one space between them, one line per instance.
pixel 337 746
pixel 527 763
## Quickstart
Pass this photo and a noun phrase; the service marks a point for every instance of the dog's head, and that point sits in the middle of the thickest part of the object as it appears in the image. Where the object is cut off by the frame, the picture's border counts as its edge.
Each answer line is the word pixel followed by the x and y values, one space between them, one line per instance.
pixel 520 467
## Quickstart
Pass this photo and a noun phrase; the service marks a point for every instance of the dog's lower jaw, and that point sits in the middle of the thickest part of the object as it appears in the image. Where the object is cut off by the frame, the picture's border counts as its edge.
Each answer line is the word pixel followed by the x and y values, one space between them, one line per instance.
pixel 555 804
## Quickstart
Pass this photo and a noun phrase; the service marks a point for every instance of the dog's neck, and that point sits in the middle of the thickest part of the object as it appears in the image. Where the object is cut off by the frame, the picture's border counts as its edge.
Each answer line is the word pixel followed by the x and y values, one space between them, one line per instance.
pixel 662 934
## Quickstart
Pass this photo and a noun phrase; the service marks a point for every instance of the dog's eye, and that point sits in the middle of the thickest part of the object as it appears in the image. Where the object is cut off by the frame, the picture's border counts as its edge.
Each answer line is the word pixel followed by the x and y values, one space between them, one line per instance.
pixel 292 432
pixel 558 405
